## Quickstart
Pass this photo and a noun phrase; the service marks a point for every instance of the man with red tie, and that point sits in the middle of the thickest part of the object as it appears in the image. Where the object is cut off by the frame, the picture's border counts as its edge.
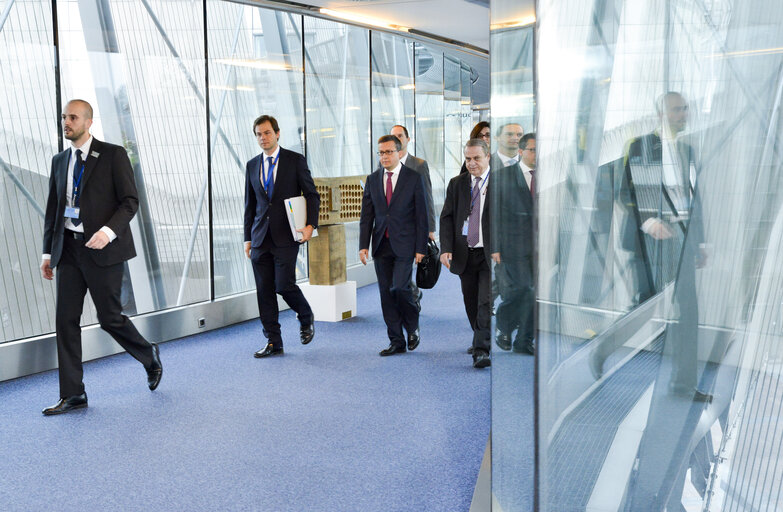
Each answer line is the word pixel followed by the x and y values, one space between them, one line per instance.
pixel 394 218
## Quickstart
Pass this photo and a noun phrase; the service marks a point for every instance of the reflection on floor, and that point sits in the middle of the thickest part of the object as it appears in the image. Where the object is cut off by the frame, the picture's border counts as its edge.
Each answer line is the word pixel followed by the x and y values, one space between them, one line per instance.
pixel 328 427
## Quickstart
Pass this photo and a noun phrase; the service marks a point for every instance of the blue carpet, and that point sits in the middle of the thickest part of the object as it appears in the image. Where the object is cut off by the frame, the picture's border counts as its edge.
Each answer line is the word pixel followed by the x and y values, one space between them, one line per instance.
pixel 328 427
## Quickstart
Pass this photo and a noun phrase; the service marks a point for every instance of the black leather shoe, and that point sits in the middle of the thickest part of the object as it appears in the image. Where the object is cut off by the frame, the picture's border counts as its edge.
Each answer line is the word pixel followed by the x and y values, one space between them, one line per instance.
pixel 470 350
pixel 269 350
pixel 306 333
pixel 481 360
pixel 393 349
pixel 413 339
pixel 503 340
pixel 155 369
pixel 67 404
pixel 524 347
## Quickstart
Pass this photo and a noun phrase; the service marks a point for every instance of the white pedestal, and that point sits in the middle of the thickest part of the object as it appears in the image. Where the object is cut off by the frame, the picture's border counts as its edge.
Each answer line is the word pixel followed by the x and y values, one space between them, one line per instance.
pixel 331 303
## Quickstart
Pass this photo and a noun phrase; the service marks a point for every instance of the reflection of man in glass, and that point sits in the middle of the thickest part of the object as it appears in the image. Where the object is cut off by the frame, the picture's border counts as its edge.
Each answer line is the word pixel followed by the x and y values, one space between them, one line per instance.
pixel 512 250
pixel 508 136
pixel 658 195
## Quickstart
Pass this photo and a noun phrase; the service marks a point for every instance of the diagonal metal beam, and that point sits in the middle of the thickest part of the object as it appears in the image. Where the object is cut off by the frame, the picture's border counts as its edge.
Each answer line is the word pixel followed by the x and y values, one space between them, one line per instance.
pixel 6 12
pixel 26 193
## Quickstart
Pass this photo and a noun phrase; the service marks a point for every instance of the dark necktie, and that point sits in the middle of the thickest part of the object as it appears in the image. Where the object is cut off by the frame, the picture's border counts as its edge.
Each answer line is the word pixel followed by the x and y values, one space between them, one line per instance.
pixel 533 183
pixel 475 213
pixel 270 177
pixel 78 171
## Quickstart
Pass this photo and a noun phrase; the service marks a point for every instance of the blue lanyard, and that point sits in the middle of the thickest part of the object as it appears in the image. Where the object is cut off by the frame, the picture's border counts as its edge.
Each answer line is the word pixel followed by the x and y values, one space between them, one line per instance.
pixel 270 172
pixel 77 182
pixel 481 186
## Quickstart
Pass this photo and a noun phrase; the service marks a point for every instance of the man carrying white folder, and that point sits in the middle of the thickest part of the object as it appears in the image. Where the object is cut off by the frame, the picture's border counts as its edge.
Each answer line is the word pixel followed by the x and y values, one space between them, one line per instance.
pixel 272 177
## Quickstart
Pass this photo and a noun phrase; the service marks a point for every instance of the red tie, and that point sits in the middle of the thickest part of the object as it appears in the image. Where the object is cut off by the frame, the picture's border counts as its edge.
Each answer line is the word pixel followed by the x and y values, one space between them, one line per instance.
pixel 533 183
pixel 388 193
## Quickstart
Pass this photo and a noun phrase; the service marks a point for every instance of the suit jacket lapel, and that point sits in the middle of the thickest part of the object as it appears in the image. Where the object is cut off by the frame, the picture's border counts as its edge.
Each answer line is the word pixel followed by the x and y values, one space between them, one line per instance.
pixel 402 180
pixel 89 160
pixel 255 175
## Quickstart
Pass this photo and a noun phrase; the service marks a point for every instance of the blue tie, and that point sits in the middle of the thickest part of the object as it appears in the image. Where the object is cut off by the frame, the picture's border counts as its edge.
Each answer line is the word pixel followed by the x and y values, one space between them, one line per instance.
pixel 78 171
pixel 270 177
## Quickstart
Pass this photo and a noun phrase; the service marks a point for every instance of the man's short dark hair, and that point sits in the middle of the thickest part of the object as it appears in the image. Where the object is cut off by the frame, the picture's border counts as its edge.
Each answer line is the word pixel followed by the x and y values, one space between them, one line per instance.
pixel 526 137
pixel 390 138
pixel 478 143
pixel 403 129
pixel 263 119
pixel 500 130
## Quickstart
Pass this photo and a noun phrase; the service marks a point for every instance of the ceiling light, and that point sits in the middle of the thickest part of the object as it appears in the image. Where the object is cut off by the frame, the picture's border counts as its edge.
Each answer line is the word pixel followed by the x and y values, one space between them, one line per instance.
pixel 364 20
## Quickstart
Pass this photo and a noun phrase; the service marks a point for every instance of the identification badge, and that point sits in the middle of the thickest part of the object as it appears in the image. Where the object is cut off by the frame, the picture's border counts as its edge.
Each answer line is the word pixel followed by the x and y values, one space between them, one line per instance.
pixel 72 213
pixel 465 229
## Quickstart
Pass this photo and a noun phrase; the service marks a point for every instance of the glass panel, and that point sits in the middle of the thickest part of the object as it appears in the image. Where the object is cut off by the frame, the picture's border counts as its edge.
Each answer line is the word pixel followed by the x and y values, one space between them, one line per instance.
pixel 429 117
pixel 660 220
pixel 255 68
pixel 452 80
pixel 392 86
pixel 465 101
pixel 27 145
pixel 511 101
pixel 141 66
pixel 337 93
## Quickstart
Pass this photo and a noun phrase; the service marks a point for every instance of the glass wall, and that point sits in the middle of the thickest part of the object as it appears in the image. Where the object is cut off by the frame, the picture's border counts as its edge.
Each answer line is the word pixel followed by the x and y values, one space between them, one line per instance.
pixel 178 85
pixel 659 220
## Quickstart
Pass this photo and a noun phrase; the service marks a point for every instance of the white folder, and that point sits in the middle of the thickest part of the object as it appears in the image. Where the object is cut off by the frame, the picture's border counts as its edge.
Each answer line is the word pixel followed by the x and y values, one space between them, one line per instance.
pixel 296 210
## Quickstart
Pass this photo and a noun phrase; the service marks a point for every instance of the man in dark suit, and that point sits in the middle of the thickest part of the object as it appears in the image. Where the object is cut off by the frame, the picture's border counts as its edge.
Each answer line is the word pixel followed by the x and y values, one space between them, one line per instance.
pixel 394 217
pixel 513 242
pixel 465 243
pixel 87 238
pixel 421 167
pixel 271 177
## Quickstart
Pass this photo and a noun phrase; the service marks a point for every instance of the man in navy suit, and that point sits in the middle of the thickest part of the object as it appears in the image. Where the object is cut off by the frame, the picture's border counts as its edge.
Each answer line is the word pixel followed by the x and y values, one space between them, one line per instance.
pixel 271 177
pixel 87 238
pixel 394 216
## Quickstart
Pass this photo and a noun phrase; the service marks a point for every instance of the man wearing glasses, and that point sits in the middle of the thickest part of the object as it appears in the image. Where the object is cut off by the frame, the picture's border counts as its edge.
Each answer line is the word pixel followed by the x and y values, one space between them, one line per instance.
pixel 394 219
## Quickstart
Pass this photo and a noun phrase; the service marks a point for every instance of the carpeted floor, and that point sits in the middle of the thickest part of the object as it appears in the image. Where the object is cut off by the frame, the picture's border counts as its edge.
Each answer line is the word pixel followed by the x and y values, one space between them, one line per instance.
pixel 328 427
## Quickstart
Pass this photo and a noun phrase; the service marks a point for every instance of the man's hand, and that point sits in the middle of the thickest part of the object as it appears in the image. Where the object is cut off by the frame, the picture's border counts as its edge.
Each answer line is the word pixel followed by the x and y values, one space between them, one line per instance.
pixel 364 254
pixel 98 241
pixel 307 233
pixel 496 257
pixel 46 270
pixel 432 236
pixel 419 257
pixel 445 258
pixel 247 249
pixel 657 229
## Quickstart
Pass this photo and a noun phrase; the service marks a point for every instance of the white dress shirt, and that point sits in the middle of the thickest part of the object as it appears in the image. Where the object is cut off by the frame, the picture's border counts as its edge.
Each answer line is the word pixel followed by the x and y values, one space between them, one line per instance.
pixel 265 165
pixel 483 183
pixel 395 174
pixel 85 148
pixel 526 173
pixel 507 160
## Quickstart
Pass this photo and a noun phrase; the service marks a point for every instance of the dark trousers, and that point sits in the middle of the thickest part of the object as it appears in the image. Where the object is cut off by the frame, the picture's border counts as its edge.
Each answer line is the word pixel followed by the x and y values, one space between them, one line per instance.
pixel 274 269
pixel 517 295
pixel 77 273
pixel 476 292
pixel 394 284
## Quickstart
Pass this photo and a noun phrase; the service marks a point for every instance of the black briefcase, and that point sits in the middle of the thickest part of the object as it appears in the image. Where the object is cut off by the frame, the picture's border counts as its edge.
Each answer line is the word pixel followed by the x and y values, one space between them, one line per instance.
pixel 428 271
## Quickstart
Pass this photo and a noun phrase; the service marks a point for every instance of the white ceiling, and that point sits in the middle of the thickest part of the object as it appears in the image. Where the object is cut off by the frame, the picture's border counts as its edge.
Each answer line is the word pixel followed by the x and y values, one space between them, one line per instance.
pixel 462 20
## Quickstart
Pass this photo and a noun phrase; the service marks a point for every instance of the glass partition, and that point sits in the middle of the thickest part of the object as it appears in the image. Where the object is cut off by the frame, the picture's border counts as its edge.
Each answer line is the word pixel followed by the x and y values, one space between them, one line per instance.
pixel 658 228
pixel 255 68
pixel 429 117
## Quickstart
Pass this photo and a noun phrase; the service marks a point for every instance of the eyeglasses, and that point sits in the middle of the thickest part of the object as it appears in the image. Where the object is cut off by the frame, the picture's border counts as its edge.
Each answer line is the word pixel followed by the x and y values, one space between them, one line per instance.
pixel 484 135
pixel 386 152
pixel 530 149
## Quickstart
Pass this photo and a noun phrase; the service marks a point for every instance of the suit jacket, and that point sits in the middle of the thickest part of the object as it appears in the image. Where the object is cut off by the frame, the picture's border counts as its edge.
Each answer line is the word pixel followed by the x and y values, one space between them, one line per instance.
pixel 456 210
pixel 513 227
pixel 421 167
pixel 108 198
pixel 267 215
pixel 405 217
